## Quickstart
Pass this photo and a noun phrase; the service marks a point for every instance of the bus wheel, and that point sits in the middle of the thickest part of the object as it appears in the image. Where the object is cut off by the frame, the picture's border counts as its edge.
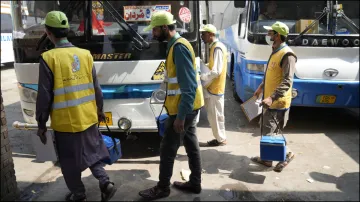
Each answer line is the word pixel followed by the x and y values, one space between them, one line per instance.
pixel 235 95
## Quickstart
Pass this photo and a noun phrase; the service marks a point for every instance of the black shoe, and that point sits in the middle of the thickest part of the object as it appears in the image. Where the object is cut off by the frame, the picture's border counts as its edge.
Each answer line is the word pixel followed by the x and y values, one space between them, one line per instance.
pixel 212 143
pixel 155 193
pixel 71 197
pixel 108 191
pixel 188 187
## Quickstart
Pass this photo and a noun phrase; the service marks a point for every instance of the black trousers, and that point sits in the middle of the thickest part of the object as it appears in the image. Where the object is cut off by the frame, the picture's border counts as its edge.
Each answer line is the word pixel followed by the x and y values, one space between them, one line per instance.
pixel 170 145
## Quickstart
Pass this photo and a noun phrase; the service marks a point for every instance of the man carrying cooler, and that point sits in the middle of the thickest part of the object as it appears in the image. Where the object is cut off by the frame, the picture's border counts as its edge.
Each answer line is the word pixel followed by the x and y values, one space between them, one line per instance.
pixel 70 93
pixel 277 87
pixel 184 99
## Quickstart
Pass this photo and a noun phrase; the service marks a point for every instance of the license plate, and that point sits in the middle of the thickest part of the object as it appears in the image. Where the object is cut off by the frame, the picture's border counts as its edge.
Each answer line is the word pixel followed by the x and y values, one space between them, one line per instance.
pixel 108 118
pixel 326 99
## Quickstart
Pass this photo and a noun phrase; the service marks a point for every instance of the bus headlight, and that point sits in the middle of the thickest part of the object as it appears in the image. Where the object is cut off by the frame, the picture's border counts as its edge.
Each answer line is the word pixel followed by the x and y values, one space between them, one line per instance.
pixel 256 67
pixel 294 93
pixel 159 95
pixel 124 123
pixel 27 94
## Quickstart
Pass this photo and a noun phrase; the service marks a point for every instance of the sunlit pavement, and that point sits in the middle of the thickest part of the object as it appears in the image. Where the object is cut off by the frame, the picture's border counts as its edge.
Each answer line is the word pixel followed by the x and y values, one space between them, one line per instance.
pixel 326 166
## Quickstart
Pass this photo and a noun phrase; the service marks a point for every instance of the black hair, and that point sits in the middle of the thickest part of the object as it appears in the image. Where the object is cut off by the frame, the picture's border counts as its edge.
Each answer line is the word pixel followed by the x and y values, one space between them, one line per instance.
pixel 58 32
pixel 282 37
pixel 171 27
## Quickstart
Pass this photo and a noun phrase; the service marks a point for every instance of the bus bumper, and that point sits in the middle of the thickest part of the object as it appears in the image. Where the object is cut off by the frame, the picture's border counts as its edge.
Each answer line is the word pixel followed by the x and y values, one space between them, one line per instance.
pixel 307 91
pixel 27 126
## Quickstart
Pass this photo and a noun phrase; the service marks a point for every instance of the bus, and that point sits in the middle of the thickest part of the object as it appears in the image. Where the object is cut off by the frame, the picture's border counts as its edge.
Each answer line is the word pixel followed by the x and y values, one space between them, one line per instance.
pixel 129 62
pixel 7 53
pixel 323 34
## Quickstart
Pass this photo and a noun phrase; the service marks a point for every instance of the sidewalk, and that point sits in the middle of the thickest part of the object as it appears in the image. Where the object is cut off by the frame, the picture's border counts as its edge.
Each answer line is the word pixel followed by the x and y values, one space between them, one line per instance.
pixel 229 174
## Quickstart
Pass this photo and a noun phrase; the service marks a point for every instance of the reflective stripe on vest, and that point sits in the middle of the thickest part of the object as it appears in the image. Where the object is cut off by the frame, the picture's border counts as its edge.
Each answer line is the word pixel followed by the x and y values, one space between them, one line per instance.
pixel 71 103
pixel 173 96
pixel 74 106
pixel 71 89
pixel 173 80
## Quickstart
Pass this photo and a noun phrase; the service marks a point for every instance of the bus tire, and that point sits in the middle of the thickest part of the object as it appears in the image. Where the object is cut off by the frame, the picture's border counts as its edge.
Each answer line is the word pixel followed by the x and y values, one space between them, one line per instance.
pixel 9 190
pixel 235 95
pixel 232 68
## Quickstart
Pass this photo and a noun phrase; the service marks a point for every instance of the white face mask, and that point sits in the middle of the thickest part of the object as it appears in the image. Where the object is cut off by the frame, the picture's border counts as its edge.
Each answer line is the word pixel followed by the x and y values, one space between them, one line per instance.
pixel 268 40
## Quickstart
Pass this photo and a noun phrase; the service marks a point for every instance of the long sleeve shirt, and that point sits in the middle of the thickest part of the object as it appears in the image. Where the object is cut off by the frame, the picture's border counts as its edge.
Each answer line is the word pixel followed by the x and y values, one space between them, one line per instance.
pixel 288 70
pixel 186 76
pixel 45 95
pixel 217 68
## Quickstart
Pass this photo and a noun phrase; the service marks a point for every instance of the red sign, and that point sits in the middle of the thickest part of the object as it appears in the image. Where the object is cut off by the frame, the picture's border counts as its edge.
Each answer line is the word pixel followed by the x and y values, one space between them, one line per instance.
pixel 185 15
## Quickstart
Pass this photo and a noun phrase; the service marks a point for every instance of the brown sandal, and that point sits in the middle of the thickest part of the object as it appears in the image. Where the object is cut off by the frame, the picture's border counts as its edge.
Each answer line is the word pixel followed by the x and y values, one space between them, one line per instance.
pixel 281 165
pixel 259 161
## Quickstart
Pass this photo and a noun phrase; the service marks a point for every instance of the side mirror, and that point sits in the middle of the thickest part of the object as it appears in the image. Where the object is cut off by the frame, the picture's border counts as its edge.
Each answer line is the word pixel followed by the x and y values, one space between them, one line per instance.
pixel 239 3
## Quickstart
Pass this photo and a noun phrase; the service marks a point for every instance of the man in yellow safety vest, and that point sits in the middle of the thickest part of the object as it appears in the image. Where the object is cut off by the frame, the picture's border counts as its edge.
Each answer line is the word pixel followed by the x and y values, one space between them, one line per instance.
pixel 183 102
pixel 277 87
pixel 214 81
pixel 70 93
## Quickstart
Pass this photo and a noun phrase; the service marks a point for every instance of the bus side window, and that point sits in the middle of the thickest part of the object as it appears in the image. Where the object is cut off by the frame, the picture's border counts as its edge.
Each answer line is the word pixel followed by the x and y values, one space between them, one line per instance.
pixel 242 24
pixel 240 20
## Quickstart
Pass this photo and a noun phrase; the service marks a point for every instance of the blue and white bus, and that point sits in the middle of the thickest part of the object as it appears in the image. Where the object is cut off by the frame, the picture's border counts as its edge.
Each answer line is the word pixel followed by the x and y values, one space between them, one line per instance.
pixel 327 70
pixel 129 63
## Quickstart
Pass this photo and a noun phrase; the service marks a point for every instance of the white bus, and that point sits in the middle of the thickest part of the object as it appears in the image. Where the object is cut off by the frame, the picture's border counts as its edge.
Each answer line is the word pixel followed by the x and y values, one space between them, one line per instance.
pixel 129 63
pixel 7 53
pixel 327 70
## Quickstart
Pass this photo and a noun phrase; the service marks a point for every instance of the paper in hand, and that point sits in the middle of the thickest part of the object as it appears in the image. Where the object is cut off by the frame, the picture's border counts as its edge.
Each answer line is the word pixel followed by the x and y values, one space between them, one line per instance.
pixel 252 107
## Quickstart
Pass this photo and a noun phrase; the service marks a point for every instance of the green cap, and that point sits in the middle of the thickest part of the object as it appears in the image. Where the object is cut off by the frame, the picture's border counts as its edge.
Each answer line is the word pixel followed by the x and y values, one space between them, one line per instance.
pixel 279 27
pixel 160 18
pixel 209 28
pixel 56 19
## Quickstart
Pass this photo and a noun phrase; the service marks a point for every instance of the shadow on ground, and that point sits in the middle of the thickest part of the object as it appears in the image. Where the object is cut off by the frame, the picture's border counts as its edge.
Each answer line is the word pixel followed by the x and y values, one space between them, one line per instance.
pixel 235 119
pixel 347 182
pixel 235 167
pixel 337 124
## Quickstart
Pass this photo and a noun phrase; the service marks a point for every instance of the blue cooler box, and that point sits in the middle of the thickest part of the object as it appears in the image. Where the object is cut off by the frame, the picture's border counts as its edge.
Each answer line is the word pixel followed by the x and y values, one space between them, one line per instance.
pixel 109 143
pixel 161 123
pixel 272 148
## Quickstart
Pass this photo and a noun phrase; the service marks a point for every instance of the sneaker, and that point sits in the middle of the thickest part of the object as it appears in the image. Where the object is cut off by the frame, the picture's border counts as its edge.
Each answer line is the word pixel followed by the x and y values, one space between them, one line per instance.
pixel 108 191
pixel 155 193
pixel 187 186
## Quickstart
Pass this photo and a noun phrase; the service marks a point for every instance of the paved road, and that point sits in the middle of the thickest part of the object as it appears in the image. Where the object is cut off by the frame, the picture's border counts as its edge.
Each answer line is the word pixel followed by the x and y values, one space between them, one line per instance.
pixel 326 143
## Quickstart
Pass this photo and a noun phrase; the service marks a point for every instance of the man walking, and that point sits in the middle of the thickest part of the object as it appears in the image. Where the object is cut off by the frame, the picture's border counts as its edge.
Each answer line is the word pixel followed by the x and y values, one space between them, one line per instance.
pixel 70 93
pixel 277 87
pixel 215 81
pixel 183 101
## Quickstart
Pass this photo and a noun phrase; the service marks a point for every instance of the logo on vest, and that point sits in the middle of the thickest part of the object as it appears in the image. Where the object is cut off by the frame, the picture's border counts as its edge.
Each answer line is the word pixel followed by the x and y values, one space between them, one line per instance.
pixel 272 65
pixel 76 64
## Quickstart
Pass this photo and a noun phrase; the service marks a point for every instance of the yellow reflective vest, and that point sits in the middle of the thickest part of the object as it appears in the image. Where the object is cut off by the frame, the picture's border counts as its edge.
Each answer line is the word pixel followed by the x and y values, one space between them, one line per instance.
pixel 217 86
pixel 74 108
pixel 173 89
pixel 274 76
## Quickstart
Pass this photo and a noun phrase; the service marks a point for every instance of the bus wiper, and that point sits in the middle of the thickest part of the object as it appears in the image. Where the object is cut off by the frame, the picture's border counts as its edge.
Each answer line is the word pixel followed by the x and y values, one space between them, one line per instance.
pixel 341 13
pixel 44 40
pixel 325 12
pixel 139 42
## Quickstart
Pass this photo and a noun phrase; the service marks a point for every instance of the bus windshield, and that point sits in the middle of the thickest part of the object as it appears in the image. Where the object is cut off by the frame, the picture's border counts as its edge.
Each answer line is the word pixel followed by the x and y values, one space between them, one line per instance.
pixel 136 13
pixel 297 15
